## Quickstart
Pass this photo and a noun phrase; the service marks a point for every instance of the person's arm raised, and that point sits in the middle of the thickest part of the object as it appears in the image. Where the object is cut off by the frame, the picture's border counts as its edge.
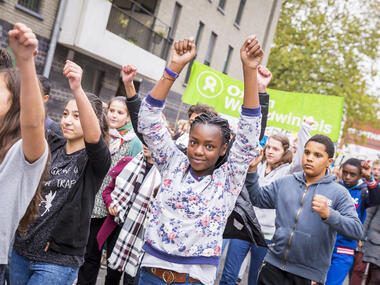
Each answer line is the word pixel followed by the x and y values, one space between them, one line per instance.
pixel 182 53
pixel 23 43
pixel 87 116
pixel 128 74
pixel 251 55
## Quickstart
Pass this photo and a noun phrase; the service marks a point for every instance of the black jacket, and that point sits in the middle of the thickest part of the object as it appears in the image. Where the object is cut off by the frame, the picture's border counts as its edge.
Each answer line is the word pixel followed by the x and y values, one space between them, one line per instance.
pixel 242 223
pixel 71 232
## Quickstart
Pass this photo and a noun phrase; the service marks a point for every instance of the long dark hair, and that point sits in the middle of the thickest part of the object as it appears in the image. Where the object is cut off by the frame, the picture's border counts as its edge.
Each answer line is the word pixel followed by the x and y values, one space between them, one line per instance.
pixel 287 157
pixel 10 132
pixel 97 106
pixel 34 205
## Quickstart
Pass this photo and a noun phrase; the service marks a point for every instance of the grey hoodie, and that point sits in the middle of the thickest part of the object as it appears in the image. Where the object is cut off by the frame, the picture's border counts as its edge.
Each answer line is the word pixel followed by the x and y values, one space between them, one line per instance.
pixel 303 242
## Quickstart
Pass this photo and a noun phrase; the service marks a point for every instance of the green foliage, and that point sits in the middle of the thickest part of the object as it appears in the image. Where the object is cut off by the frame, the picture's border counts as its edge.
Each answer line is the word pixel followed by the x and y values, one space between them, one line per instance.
pixel 330 47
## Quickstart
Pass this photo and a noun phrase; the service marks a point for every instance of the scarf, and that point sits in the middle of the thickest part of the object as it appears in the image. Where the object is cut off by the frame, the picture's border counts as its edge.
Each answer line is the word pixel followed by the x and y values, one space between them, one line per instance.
pixel 119 136
pixel 133 196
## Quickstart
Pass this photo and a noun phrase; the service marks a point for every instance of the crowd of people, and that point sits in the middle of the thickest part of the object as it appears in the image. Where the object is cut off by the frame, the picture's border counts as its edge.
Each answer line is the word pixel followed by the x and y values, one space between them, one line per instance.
pixel 165 205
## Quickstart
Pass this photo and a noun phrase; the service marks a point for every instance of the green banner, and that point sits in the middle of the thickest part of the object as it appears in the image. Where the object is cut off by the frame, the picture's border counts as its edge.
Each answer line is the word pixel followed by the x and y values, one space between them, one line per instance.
pixel 287 109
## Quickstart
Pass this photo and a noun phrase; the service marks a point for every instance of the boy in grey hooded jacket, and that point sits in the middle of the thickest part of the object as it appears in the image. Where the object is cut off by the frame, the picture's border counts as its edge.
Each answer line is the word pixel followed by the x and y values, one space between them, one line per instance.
pixel 310 209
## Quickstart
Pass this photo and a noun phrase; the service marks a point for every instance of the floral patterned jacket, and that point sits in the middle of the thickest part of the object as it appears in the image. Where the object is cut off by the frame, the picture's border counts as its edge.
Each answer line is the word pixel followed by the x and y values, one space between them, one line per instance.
pixel 189 215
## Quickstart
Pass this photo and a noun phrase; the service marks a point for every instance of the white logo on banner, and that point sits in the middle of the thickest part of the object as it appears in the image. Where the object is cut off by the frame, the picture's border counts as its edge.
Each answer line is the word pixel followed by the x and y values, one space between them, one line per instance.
pixel 209 84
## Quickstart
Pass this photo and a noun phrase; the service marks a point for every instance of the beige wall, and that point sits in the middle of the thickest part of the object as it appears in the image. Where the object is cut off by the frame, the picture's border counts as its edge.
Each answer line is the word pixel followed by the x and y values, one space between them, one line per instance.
pixel 254 20
pixel 48 9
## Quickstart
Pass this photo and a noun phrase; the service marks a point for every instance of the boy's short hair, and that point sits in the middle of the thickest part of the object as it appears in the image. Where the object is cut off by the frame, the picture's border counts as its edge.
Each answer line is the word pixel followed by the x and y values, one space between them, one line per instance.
pixel 354 162
pixel 201 108
pixel 376 162
pixel 326 141
pixel 45 84
pixel 5 59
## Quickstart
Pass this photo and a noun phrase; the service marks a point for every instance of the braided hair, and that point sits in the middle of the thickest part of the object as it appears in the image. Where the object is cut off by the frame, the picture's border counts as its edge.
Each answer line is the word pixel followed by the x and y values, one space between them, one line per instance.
pixel 208 119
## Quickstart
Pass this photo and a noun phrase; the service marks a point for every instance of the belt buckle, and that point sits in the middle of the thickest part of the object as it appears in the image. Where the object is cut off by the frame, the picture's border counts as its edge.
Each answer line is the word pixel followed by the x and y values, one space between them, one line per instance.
pixel 171 275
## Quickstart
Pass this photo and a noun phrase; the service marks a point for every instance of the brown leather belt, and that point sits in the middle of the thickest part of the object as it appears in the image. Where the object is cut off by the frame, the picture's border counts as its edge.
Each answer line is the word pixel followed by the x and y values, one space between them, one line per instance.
pixel 169 276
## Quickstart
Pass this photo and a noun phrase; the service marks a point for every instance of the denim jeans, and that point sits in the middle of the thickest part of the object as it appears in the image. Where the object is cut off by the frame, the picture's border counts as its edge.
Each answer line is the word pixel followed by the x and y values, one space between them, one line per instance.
pixel 237 251
pixel 26 271
pixel 2 273
pixel 146 278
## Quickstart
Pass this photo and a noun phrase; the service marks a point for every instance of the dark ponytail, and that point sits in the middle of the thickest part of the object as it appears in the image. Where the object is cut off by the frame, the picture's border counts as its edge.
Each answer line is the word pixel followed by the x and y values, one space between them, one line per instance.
pixel 97 106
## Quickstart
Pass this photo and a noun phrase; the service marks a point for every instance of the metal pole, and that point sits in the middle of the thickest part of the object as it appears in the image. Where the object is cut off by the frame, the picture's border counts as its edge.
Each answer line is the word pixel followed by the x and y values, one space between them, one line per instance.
pixel 54 38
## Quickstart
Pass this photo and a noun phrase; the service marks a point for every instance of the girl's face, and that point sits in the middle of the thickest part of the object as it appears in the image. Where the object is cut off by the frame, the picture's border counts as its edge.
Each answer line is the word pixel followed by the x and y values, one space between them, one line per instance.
pixel 117 114
pixel 274 151
pixel 70 123
pixel 5 97
pixel 204 148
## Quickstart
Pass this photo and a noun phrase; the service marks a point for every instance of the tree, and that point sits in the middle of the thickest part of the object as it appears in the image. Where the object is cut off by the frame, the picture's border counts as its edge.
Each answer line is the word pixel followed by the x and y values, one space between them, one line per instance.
pixel 330 47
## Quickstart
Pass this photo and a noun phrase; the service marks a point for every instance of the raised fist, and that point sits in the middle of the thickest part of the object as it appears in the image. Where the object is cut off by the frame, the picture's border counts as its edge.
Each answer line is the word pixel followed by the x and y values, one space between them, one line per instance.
pixel 183 52
pixel 73 73
pixel 23 42
pixel 309 120
pixel 128 73
pixel 321 206
pixel 366 170
pixel 251 53
pixel 264 76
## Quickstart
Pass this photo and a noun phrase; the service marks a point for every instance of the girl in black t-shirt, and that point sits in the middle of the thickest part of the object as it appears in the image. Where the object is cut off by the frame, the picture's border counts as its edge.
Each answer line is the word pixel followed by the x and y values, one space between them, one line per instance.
pixel 52 250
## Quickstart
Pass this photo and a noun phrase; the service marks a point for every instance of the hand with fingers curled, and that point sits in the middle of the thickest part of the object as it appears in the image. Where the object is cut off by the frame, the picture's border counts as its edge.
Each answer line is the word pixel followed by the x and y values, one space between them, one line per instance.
pixel 309 120
pixel 366 170
pixel 128 73
pixel 264 76
pixel 182 53
pixel 320 205
pixel 23 43
pixel 251 53
pixel 255 162
pixel 113 210
pixel 73 73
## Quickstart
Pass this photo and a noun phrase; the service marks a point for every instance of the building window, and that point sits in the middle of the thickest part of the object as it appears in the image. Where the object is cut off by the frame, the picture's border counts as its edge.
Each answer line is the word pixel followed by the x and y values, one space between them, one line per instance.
pixel 227 61
pixel 197 40
pixel 92 79
pixel 32 5
pixel 210 48
pixel 135 21
pixel 221 5
pixel 239 13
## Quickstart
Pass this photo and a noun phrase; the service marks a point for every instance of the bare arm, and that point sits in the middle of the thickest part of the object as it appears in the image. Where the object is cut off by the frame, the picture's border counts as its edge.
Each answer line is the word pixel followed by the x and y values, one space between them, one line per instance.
pixel 87 116
pixel 251 55
pixel 128 75
pixel 23 43
pixel 182 53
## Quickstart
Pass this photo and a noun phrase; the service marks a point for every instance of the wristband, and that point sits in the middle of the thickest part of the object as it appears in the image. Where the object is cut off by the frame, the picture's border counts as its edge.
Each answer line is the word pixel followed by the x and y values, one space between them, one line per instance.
pixel 167 77
pixel 171 72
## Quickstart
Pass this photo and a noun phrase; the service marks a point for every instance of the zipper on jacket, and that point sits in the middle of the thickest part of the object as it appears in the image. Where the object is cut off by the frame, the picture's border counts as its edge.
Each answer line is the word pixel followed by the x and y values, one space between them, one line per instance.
pixel 294 228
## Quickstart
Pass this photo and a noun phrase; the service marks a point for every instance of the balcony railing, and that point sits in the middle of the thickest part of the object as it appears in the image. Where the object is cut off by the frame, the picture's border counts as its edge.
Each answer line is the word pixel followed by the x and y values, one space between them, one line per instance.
pixel 141 29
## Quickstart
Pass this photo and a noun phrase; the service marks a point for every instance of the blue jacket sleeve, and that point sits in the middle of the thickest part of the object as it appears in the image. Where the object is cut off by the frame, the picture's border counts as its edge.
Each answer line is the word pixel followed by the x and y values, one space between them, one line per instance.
pixel 262 197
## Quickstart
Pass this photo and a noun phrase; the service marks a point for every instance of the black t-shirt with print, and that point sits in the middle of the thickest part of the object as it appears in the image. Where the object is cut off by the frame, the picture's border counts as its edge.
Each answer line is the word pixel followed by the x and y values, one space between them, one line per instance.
pixel 65 171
